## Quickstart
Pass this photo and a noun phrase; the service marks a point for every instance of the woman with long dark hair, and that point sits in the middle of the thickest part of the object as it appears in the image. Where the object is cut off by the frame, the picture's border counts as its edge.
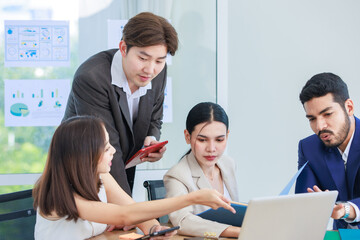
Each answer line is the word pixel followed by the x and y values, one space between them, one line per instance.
pixel 76 197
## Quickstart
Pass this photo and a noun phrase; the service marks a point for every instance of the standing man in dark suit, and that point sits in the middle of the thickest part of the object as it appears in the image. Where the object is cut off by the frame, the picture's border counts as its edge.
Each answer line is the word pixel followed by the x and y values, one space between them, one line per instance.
pixel 333 152
pixel 125 87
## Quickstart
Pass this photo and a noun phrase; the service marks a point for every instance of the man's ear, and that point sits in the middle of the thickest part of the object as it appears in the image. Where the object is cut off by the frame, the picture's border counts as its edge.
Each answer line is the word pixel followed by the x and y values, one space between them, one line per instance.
pixel 349 106
pixel 187 136
pixel 123 48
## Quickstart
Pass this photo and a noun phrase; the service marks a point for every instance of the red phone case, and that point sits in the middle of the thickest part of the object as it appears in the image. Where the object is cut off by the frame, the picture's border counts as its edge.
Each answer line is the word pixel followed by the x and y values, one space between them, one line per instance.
pixel 136 159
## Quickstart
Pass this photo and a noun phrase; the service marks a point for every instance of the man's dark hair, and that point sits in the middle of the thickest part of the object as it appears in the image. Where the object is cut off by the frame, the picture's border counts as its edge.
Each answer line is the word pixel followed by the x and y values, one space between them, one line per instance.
pixel 147 29
pixel 322 84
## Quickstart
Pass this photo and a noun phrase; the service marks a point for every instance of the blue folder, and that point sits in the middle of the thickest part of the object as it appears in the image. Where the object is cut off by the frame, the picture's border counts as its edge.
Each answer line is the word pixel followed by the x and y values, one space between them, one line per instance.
pixel 349 234
pixel 223 215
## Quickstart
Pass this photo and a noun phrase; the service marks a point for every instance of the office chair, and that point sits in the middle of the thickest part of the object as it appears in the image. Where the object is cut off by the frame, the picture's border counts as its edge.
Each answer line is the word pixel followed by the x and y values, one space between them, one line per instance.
pixel 156 190
pixel 17 215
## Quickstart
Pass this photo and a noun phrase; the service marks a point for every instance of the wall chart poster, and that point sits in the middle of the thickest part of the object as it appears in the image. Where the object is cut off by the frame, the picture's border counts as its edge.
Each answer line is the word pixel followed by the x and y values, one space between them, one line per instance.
pixel 115 29
pixel 167 107
pixel 36 43
pixel 35 102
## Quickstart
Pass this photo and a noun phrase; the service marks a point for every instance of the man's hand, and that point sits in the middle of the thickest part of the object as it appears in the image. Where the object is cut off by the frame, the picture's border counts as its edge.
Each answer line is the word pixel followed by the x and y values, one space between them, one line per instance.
pixel 339 209
pixel 155 156
pixel 315 189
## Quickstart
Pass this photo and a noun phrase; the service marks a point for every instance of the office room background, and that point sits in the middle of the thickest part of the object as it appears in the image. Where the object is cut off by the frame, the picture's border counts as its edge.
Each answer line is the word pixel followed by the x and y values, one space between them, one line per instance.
pixel 252 57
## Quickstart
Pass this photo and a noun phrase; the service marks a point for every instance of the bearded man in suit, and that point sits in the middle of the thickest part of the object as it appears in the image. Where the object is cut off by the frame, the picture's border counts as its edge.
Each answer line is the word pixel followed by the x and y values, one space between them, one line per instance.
pixel 333 152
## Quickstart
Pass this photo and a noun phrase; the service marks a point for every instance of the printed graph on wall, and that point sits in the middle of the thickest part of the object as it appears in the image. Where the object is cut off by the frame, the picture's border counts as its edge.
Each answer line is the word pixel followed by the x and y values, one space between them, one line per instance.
pixel 35 102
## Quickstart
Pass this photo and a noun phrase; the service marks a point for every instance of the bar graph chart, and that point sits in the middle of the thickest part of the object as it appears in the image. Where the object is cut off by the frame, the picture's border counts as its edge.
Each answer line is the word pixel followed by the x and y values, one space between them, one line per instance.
pixel 35 102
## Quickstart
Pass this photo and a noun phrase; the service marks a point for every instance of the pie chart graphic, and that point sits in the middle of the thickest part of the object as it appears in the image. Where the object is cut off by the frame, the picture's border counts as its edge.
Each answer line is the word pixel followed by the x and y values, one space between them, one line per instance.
pixel 19 110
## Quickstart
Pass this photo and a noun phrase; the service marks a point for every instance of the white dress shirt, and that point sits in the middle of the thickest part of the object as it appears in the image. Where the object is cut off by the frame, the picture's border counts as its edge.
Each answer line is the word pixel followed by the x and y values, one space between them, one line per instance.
pixel 345 156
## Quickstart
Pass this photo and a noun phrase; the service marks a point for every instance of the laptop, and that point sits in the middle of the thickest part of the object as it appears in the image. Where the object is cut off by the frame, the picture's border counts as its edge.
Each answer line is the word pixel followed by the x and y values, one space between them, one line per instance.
pixel 291 217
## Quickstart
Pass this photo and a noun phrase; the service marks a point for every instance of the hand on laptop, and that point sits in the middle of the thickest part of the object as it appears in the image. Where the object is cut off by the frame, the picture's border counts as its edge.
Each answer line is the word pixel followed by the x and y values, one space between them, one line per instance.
pixel 315 189
pixel 339 209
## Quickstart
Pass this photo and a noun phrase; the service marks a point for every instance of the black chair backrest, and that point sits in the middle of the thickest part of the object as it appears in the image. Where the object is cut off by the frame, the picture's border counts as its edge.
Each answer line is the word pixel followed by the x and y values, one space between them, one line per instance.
pixel 17 215
pixel 156 190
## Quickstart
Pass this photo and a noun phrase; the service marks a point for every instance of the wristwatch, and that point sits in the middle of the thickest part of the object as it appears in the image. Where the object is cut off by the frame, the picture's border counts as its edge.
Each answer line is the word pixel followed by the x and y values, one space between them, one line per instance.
pixel 347 209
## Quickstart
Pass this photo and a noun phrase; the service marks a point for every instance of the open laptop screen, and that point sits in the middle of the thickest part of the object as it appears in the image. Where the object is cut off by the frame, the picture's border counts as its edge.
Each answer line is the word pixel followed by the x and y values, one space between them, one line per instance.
pixel 289 217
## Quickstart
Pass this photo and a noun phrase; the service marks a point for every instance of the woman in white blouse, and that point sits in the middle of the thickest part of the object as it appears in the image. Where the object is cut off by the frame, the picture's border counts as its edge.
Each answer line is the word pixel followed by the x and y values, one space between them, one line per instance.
pixel 77 198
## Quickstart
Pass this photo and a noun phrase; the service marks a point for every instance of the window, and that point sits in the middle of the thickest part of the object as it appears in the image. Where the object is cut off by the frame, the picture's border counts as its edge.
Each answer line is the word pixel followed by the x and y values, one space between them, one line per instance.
pixel 192 72
pixel 24 149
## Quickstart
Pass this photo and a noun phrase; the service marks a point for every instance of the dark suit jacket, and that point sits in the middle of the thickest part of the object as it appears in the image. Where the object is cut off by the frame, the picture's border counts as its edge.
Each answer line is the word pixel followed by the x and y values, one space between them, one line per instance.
pixel 93 94
pixel 326 169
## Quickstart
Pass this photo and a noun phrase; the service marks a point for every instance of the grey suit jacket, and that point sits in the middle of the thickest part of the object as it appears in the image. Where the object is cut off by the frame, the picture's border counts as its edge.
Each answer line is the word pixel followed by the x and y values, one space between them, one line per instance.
pixel 187 176
pixel 93 94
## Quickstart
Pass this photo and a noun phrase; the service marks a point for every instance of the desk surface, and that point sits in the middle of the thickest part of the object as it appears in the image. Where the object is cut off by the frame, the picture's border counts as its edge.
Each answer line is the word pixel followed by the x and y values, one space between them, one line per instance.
pixel 114 235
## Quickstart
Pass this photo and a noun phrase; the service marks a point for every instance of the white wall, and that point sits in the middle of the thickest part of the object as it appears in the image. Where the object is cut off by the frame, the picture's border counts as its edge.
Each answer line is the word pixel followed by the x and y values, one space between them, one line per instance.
pixel 274 47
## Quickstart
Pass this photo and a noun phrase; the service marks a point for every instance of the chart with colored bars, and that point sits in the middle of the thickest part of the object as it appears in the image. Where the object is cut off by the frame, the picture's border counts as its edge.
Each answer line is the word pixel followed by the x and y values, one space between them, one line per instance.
pixel 35 102
pixel 36 43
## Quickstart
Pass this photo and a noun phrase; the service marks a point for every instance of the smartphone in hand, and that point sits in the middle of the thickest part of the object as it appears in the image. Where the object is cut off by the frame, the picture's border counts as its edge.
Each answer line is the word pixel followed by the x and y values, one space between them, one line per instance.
pixel 159 233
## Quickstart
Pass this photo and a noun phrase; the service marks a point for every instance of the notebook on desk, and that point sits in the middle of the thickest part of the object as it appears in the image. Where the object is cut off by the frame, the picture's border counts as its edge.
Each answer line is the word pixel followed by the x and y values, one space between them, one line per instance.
pixel 295 217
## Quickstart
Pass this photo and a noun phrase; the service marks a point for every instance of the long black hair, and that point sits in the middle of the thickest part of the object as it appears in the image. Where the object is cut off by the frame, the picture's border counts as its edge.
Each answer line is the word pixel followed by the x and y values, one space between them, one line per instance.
pixel 205 112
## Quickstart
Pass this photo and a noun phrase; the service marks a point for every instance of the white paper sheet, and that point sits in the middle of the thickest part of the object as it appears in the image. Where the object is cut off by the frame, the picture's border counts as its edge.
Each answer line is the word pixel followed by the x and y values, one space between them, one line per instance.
pixel 115 29
pixel 168 113
pixel 36 43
